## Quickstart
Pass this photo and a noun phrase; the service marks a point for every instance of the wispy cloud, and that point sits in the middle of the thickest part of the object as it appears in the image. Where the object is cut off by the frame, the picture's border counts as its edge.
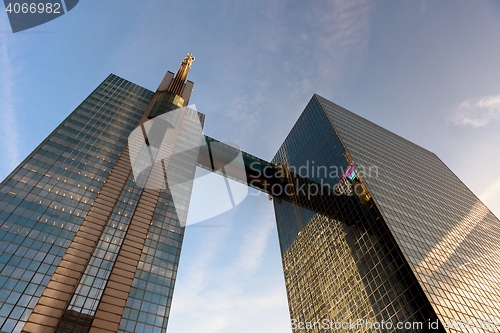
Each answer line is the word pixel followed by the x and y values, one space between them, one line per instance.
pixel 423 6
pixel 478 112
pixel 228 297
pixel 341 29
pixel 253 246
pixel 8 123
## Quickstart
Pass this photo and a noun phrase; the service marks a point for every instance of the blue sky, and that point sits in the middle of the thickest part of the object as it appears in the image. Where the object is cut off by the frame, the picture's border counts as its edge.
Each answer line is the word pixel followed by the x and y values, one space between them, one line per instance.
pixel 427 70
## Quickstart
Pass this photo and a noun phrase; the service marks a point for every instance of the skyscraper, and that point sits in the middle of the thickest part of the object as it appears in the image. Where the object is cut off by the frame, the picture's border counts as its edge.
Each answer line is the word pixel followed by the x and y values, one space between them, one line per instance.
pixel 421 251
pixel 383 234
pixel 83 247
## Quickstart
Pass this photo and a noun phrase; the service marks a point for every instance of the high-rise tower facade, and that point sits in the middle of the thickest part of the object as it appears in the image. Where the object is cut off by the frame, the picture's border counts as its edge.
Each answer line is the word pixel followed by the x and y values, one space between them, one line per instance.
pixel 83 247
pixel 419 251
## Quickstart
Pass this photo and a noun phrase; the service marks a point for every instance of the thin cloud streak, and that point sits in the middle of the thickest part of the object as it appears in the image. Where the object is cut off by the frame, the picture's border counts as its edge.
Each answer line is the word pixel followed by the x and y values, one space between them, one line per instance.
pixel 226 298
pixel 10 135
pixel 342 33
pixel 478 112
pixel 253 247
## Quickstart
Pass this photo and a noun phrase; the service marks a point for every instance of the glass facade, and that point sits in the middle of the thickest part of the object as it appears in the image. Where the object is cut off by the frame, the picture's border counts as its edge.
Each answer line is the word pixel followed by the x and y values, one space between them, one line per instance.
pixel 149 300
pixel 166 101
pixel 81 310
pixel 448 237
pixel 45 199
pixel 339 270
pixel 128 283
pixel 84 246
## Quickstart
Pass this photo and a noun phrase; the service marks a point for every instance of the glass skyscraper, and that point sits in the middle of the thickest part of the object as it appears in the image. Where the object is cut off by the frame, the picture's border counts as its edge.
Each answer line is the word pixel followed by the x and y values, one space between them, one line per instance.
pixel 83 247
pixel 419 250
pixel 400 240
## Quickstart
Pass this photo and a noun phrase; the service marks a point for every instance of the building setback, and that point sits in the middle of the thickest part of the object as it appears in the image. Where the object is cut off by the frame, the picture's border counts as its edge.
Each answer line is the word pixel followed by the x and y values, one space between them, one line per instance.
pixel 400 239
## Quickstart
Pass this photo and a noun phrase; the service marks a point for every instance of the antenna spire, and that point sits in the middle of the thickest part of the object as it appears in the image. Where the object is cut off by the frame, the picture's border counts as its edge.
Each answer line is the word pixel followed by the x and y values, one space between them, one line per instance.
pixel 177 84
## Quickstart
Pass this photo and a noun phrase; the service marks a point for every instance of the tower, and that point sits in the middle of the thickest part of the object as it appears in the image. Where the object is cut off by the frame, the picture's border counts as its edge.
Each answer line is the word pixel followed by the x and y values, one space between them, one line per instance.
pixel 84 249
pixel 418 249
